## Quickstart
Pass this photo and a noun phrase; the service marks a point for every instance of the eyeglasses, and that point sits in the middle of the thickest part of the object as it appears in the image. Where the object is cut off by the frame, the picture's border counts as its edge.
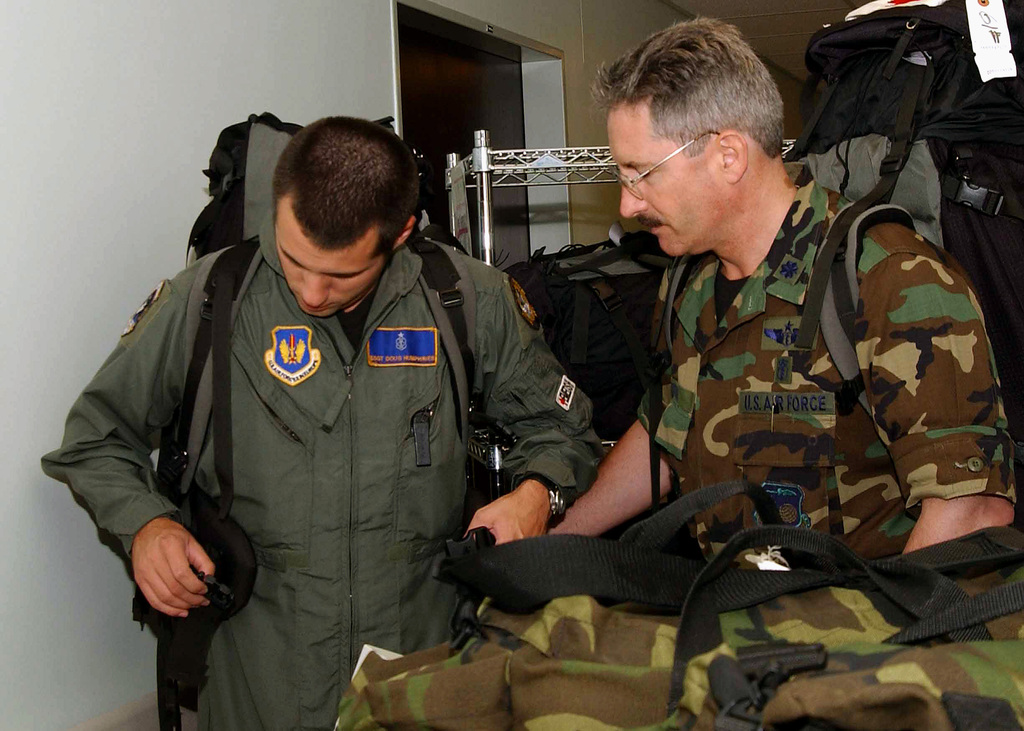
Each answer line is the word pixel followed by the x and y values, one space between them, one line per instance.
pixel 632 184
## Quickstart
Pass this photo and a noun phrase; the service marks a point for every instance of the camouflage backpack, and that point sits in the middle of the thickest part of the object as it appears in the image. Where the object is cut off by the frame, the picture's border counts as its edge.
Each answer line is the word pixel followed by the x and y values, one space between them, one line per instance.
pixel 932 640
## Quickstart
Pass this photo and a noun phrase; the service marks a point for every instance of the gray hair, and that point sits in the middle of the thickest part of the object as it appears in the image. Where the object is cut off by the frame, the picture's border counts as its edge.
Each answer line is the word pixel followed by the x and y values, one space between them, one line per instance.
pixel 697 76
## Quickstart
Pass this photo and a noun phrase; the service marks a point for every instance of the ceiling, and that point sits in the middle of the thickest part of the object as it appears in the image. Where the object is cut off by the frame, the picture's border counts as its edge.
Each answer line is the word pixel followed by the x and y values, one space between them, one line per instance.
pixel 777 29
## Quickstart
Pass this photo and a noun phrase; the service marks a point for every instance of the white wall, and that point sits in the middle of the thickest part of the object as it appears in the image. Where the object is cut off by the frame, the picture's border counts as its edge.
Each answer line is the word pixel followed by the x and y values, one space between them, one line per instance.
pixel 108 112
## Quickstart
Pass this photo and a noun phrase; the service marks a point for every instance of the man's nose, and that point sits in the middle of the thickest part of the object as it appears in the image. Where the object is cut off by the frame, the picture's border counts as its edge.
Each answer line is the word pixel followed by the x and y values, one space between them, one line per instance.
pixel 629 205
pixel 314 291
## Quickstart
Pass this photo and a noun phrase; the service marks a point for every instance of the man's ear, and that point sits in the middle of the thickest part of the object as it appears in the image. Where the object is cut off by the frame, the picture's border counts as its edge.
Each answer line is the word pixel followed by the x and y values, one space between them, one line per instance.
pixel 410 226
pixel 731 150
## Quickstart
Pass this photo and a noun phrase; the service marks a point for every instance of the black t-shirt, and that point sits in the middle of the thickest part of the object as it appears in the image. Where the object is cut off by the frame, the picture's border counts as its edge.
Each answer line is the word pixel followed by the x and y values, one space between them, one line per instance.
pixel 725 292
pixel 352 322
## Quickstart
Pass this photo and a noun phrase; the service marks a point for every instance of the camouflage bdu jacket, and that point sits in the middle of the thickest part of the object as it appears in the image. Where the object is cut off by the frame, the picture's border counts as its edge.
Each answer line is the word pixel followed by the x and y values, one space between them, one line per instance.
pixel 742 401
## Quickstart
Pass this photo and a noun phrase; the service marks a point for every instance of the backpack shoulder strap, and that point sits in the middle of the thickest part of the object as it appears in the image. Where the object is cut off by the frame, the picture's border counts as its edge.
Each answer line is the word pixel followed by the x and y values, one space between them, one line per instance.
pixel 452 302
pixel 181 442
pixel 839 306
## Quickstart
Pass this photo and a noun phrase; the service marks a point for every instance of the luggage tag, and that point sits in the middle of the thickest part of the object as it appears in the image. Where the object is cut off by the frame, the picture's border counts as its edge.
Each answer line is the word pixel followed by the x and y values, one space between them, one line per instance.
pixel 770 560
pixel 990 38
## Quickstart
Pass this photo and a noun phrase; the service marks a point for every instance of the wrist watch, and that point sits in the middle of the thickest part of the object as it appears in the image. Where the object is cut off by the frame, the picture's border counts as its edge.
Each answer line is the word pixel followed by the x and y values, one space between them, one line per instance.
pixel 556 501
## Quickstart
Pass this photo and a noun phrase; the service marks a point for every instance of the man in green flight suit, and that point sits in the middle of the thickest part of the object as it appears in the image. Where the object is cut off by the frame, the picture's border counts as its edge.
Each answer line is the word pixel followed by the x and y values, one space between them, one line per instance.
pixel 334 353
pixel 695 126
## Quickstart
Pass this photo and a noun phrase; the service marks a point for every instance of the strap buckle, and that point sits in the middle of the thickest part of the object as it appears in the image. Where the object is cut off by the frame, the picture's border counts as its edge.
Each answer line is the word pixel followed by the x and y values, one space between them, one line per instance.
pixel 451 298
pixel 848 394
pixel 961 190
pixel 171 465
pixel 891 164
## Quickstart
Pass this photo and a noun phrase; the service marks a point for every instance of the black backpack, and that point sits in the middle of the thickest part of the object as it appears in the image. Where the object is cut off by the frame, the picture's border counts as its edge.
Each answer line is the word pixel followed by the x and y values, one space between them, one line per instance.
pixel 905 118
pixel 595 304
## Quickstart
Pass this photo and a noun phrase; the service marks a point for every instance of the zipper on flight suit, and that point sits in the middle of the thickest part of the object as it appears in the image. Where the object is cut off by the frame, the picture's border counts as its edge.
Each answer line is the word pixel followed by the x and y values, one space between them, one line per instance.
pixel 288 431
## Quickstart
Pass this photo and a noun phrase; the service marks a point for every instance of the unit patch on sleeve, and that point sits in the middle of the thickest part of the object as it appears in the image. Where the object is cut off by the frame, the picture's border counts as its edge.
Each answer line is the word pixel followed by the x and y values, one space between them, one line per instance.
pixel 146 304
pixel 566 390
pixel 402 346
pixel 523 303
pixel 292 359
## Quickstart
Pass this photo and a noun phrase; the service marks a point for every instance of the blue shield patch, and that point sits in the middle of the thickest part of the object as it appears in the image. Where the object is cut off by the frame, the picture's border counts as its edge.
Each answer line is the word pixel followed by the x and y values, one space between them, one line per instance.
pixel 402 346
pixel 789 499
pixel 292 358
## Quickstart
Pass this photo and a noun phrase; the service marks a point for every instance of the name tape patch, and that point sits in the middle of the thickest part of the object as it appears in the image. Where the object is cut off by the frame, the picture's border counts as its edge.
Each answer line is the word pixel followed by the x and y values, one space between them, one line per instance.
pixel 292 359
pixel 796 404
pixel 402 346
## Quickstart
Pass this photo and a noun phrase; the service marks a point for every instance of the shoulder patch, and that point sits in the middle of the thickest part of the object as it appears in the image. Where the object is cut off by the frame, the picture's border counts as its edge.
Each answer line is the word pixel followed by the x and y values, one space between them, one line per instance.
pixel 146 304
pixel 523 303
pixel 566 390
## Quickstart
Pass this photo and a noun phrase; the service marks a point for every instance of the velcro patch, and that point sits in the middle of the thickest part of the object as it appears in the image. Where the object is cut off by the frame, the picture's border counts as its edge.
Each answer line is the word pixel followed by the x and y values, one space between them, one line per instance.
pixel 402 346
pixel 146 304
pixel 803 403
pixel 566 390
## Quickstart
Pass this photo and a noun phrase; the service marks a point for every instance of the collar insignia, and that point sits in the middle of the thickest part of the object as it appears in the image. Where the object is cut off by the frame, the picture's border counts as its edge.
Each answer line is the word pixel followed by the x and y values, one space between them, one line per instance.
pixel 292 359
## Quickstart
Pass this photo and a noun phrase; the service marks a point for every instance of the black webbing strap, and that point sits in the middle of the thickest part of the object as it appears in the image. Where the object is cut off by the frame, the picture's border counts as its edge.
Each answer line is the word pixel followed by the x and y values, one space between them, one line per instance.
pixel 917 589
pixel 580 324
pixel 994 603
pixel 657 531
pixel 524 575
pixel 810 117
pixel 612 303
pixel 889 173
pixel 221 289
pixel 630 248
pixel 442 277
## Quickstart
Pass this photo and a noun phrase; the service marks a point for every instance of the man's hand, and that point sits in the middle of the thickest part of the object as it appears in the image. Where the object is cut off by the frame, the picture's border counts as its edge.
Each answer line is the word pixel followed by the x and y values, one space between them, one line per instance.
pixel 521 514
pixel 163 554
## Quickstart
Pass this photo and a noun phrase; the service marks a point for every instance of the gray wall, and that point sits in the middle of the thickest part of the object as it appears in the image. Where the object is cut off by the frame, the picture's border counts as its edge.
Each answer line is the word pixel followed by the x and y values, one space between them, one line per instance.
pixel 108 112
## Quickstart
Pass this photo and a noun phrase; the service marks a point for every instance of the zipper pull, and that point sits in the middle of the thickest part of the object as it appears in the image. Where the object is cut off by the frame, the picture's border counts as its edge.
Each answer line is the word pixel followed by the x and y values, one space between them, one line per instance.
pixel 421 436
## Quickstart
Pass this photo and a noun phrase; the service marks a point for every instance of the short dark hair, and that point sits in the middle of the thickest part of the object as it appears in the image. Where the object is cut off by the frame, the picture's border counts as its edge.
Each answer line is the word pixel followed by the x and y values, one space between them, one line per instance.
pixel 697 76
pixel 344 176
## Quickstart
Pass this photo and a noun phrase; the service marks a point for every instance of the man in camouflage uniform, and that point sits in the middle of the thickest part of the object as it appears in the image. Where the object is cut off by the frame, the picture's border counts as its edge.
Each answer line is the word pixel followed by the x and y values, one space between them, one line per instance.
pixel 695 126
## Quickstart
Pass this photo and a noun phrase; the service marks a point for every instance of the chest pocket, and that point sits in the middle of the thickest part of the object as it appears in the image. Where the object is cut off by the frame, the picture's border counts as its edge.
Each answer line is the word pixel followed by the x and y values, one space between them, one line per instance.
pixel 785 441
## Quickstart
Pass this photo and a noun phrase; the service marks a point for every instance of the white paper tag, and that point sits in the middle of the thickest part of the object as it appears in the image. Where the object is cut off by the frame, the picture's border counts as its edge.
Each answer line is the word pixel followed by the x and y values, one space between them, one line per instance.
pixel 990 38
pixel 380 651
pixel 770 560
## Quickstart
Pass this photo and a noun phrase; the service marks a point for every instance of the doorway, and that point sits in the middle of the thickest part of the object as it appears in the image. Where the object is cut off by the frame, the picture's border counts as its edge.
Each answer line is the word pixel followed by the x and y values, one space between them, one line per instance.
pixel 455 80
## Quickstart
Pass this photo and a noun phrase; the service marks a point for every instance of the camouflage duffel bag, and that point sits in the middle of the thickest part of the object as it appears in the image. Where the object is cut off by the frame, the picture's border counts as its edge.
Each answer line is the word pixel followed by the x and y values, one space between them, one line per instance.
pixel 932 640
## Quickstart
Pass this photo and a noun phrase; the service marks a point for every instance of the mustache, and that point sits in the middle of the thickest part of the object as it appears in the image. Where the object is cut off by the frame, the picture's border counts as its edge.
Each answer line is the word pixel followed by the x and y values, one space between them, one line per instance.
pixel 648 221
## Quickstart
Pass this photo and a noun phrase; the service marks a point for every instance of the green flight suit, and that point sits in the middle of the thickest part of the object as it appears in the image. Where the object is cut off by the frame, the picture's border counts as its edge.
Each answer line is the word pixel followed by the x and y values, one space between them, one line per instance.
pixel 345 525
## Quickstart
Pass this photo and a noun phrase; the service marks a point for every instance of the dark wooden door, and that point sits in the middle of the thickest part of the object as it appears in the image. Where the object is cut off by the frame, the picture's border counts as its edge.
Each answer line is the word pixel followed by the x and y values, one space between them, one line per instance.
pixel 454 81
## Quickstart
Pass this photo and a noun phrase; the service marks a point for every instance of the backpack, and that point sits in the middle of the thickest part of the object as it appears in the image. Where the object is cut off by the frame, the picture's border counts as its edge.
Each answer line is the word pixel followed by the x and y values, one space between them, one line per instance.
pixel 594 304
pixel 626 636
pixel 225 236
pixel 906 118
